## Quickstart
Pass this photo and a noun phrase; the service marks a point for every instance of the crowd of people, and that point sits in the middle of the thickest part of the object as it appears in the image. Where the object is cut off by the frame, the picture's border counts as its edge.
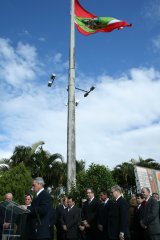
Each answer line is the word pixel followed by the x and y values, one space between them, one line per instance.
pixel 110 217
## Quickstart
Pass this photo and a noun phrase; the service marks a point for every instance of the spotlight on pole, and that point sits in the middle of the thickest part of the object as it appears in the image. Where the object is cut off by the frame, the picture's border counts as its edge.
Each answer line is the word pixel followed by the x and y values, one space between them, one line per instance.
pixel 52 78
pixel 88 92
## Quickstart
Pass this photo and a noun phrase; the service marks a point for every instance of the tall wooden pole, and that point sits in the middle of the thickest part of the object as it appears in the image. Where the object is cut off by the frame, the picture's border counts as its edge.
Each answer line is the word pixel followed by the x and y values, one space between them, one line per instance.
pixel 71 145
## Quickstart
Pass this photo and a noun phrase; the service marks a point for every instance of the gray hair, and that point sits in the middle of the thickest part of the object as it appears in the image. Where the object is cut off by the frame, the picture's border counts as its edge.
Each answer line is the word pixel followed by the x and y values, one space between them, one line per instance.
pixel 39 180
pixel 148 190
pixel 116 188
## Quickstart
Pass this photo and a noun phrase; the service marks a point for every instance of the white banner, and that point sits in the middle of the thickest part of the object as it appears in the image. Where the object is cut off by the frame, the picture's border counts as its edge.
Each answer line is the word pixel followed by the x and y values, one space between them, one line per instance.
pixel 146 177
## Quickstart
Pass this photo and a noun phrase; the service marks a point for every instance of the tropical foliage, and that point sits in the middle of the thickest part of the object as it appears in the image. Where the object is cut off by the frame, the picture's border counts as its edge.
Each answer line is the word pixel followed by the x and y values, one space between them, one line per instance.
pixel 97 177
pixel 124 173
pixel 39 163
pixel 16 181
pixel 28 162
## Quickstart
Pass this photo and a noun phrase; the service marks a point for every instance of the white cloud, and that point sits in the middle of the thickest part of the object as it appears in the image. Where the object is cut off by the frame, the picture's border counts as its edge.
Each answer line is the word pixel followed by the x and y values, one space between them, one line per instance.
pixel 152 10
pixel 18 64
pixel 121 118
pixel 156 42
pixel 42 39
pixel 118 121
pixel 57 58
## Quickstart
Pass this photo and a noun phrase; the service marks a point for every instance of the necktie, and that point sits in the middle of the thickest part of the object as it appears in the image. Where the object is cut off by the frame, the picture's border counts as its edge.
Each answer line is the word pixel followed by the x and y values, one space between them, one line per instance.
pixel 144 202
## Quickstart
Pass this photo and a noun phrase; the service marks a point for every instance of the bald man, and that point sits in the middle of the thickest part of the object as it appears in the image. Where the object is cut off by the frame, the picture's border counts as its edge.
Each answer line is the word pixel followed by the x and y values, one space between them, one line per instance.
pixel 150 222
pixel 5 217
pixel 8 197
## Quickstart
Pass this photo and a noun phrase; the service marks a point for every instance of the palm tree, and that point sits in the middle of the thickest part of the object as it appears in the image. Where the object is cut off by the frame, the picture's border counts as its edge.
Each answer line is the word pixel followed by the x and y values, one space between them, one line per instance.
pixel 49 166
pixel 21 154
pixel 124 176
pixel 3 165
pixel 40 163
pixel 147 163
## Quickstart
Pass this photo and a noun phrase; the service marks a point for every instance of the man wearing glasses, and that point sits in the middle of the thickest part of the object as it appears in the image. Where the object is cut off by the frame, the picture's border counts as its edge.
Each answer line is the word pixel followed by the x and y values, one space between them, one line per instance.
pixel 28 199
pixel 118 228
pixel 89 215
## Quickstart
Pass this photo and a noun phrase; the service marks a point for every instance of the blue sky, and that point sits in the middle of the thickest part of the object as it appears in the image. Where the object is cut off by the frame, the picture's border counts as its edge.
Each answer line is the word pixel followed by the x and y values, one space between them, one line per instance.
pixel 119 120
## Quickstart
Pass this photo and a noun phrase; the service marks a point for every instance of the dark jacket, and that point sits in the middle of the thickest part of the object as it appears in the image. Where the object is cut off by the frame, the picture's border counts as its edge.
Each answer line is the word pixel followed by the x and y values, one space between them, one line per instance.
pixel 151 216
pixel 138 230
pixel 38 221
pixel 118 219
pixel 72 220
pixel 103 211
pixel 59 213
pixel 89 213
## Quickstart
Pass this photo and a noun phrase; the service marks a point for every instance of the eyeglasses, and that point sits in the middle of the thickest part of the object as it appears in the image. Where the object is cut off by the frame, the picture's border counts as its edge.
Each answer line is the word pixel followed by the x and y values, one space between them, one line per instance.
pixel 113 191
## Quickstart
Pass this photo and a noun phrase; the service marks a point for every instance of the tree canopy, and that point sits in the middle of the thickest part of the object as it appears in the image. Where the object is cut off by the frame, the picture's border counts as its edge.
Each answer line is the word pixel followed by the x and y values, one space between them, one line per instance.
pixel 17 181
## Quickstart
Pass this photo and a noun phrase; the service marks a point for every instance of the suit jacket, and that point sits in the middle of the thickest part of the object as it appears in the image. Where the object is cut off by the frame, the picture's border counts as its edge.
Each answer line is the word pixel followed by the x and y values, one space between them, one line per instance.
pixel 72 220
pixel 59 213
pixel 103 211
pixel 38 220
pixel 89 213
pixel 151 216
pixel 138 230
pixel 118 219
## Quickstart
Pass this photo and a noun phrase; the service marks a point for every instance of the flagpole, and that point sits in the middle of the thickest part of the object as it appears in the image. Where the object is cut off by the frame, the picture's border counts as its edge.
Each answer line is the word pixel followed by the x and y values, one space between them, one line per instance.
pixel 71 146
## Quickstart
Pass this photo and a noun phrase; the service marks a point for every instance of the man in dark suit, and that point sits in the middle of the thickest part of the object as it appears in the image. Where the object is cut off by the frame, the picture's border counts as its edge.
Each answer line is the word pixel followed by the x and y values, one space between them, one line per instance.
pixel 38 220
pixel 155 195
pixel 59 212
pixel 89 215
pixel 150 222
pixel 102 219
pixel 118 224
pixel 70 220
pixel 138 215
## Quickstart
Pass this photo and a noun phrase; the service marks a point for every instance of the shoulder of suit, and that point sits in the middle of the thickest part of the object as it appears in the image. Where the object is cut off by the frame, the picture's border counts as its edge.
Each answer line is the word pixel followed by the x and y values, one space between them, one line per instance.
pixel 95 200
pixel 44 193
pixel 153 200
pixel 122 199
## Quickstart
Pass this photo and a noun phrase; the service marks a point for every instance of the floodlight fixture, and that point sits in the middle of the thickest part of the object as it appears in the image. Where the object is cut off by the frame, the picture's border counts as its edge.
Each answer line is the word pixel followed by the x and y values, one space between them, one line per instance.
pixel 52 78
pixel 50 83
pixel 86 92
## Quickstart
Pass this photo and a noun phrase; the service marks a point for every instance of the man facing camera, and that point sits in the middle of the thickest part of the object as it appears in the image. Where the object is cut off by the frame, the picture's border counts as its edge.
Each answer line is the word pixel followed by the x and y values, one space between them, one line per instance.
pixel 150 221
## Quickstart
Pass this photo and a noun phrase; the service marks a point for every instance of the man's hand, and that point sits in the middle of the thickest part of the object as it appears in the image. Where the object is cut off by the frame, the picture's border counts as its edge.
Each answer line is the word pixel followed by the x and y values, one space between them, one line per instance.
pixel 100 227
pixel 86 224
pixel 143 225
pixel 6 225
pixel 81 228
pixel 121 236
pixel 65 228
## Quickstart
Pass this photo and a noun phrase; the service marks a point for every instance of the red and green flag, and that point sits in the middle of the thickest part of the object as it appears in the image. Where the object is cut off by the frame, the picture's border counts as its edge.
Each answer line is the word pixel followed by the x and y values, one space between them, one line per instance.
pixel 88 23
